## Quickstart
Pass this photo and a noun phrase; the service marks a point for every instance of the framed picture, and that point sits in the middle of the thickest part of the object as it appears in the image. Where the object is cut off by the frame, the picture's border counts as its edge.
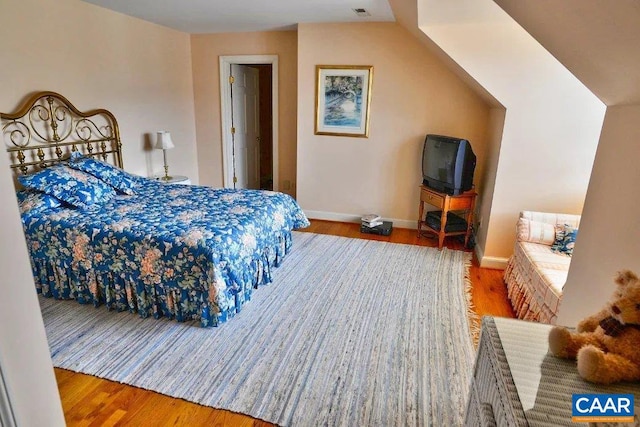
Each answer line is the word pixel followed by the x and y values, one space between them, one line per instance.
pixel 343 97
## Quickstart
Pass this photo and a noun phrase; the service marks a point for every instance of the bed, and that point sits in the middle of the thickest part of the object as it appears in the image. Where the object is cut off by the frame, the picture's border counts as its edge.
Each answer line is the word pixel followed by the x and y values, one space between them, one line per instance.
pixel 99 235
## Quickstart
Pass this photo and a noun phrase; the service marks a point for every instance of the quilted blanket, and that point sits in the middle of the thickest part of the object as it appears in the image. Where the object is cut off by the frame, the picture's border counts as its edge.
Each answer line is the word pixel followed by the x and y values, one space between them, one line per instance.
pixel 182 252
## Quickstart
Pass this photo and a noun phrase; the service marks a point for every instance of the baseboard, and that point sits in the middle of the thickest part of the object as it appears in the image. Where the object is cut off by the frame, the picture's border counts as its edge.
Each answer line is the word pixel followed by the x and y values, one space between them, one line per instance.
pixel 332 216
pixel 497 263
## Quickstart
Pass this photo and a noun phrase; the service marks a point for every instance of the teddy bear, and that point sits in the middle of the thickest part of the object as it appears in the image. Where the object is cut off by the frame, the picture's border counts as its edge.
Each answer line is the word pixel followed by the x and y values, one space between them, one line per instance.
pixel 607 344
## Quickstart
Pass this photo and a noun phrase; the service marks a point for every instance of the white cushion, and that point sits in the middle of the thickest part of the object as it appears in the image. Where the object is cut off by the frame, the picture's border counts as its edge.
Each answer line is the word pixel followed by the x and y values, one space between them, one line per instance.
pixel 535 232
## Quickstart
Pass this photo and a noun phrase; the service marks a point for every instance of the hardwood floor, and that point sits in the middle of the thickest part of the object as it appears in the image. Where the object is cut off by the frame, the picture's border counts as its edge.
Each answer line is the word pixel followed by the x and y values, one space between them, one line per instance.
pixel 91 401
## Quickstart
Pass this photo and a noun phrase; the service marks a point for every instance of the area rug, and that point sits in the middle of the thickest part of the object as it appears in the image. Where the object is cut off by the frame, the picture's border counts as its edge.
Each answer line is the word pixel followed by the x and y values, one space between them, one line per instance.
pixel 351 332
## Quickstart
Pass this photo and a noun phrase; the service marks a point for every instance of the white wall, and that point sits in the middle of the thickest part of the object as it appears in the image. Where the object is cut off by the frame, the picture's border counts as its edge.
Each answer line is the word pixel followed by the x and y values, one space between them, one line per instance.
pixel 413 93
pixel 485 198
pixel 98 58
pixel 24 352
pixel 609 236
pixel 552 122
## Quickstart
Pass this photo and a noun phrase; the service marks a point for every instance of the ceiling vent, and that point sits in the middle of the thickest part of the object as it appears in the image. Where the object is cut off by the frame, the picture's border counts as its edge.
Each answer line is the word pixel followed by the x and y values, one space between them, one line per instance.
pixel 361 12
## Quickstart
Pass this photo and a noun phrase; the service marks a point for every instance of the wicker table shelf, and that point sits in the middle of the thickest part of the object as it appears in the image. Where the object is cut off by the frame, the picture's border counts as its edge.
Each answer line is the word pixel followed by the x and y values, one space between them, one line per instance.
pixel 517 383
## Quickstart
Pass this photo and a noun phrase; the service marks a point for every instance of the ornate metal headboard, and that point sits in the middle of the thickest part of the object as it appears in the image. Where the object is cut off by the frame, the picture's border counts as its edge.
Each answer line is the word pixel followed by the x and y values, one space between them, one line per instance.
pixel 48 127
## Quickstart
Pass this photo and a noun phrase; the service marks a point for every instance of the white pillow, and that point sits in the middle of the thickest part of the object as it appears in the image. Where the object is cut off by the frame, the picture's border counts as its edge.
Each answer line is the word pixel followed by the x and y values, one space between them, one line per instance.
pixel 535 232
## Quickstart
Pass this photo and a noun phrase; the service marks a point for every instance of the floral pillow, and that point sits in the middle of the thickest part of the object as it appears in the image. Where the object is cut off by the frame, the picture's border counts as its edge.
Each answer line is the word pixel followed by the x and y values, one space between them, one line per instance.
pixel 116 177
pixel 35 202
pixel 77 188
pixel 565 239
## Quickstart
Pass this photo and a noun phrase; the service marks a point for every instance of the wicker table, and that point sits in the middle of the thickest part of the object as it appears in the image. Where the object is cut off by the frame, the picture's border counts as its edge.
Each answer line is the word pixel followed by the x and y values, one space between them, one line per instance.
pixel 517 383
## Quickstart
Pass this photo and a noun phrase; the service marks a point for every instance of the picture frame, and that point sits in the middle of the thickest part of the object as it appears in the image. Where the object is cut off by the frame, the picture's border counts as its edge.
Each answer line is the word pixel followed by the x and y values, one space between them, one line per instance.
pixel 343 100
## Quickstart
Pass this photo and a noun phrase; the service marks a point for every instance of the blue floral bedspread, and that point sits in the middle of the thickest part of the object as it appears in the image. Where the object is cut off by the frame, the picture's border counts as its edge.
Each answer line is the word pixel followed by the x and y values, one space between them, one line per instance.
pixel 177 251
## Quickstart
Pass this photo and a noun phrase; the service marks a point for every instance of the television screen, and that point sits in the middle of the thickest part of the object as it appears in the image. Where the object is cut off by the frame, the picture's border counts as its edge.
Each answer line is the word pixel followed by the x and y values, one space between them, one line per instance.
pixel 440 158
pixel 448 164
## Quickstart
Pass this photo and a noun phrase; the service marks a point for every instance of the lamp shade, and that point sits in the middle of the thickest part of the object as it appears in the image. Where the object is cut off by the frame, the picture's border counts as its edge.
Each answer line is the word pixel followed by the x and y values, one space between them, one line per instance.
pixel 164 141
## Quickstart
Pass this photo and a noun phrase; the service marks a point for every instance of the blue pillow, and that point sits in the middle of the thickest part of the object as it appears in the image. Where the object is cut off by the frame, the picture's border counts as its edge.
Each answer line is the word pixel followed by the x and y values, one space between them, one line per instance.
pixel 35 202
pixel 115 177
pixel 77 188
pixel 565 239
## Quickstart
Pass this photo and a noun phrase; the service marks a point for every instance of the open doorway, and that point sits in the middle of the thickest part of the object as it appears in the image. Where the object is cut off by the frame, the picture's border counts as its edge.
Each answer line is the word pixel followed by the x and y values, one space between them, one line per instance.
pixel 249 101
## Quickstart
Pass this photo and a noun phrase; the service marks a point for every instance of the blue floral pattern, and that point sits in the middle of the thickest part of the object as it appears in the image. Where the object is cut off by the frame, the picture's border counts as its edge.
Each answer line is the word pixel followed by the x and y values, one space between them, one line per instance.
pixel 77 188
pixel 182 252
pixel 114 176
pixel 565 239
pixel 33 202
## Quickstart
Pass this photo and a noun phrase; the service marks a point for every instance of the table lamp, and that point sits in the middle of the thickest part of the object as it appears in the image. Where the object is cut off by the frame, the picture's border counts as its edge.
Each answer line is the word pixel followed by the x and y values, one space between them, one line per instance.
pixel 164 143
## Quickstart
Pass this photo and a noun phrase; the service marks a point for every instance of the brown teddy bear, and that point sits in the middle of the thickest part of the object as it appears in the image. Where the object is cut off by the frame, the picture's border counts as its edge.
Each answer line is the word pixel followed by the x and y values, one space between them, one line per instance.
pixel 607 344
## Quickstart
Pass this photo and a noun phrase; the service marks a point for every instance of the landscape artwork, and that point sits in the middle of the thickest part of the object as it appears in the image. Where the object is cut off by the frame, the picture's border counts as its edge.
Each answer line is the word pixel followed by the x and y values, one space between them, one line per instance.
pixel 343 95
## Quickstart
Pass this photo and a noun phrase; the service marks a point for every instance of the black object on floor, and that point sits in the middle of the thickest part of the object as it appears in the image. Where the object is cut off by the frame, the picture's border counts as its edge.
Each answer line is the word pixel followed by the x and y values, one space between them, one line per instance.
pixel 454 222
pixel 383 229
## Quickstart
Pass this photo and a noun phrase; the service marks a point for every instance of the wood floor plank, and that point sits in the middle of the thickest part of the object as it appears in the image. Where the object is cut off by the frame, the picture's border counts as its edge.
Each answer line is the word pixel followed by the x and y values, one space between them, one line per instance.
pixel 92 401
pixel 124 404
pixel 113 419
pixel 489 292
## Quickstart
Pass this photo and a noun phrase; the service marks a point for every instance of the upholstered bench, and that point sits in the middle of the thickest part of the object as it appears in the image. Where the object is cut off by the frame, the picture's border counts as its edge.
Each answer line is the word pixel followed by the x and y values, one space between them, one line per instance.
pixel 535 273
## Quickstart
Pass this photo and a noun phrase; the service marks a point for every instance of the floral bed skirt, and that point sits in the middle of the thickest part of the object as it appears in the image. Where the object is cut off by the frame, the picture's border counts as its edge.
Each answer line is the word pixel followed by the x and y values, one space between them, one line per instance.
pixel 122 291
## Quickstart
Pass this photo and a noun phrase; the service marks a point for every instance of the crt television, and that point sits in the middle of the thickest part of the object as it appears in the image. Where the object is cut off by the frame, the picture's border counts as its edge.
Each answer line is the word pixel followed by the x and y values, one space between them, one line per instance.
pixel 448 164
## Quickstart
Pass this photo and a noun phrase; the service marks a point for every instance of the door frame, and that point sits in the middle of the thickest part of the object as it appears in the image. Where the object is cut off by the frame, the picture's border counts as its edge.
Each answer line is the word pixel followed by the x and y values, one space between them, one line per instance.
pixel 226 108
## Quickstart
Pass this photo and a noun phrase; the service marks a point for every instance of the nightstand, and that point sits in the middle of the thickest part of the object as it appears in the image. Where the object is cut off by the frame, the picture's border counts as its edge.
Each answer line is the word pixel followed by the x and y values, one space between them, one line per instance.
pixel 175 179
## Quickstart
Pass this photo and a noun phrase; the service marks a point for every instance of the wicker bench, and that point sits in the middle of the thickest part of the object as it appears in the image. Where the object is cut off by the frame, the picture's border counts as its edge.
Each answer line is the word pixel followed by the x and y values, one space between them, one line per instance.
pixel 516 382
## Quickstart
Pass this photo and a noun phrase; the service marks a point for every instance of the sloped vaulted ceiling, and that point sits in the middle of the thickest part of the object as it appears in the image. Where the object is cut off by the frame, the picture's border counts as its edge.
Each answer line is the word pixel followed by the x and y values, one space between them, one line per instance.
pixel 406 14
pixel 598 41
